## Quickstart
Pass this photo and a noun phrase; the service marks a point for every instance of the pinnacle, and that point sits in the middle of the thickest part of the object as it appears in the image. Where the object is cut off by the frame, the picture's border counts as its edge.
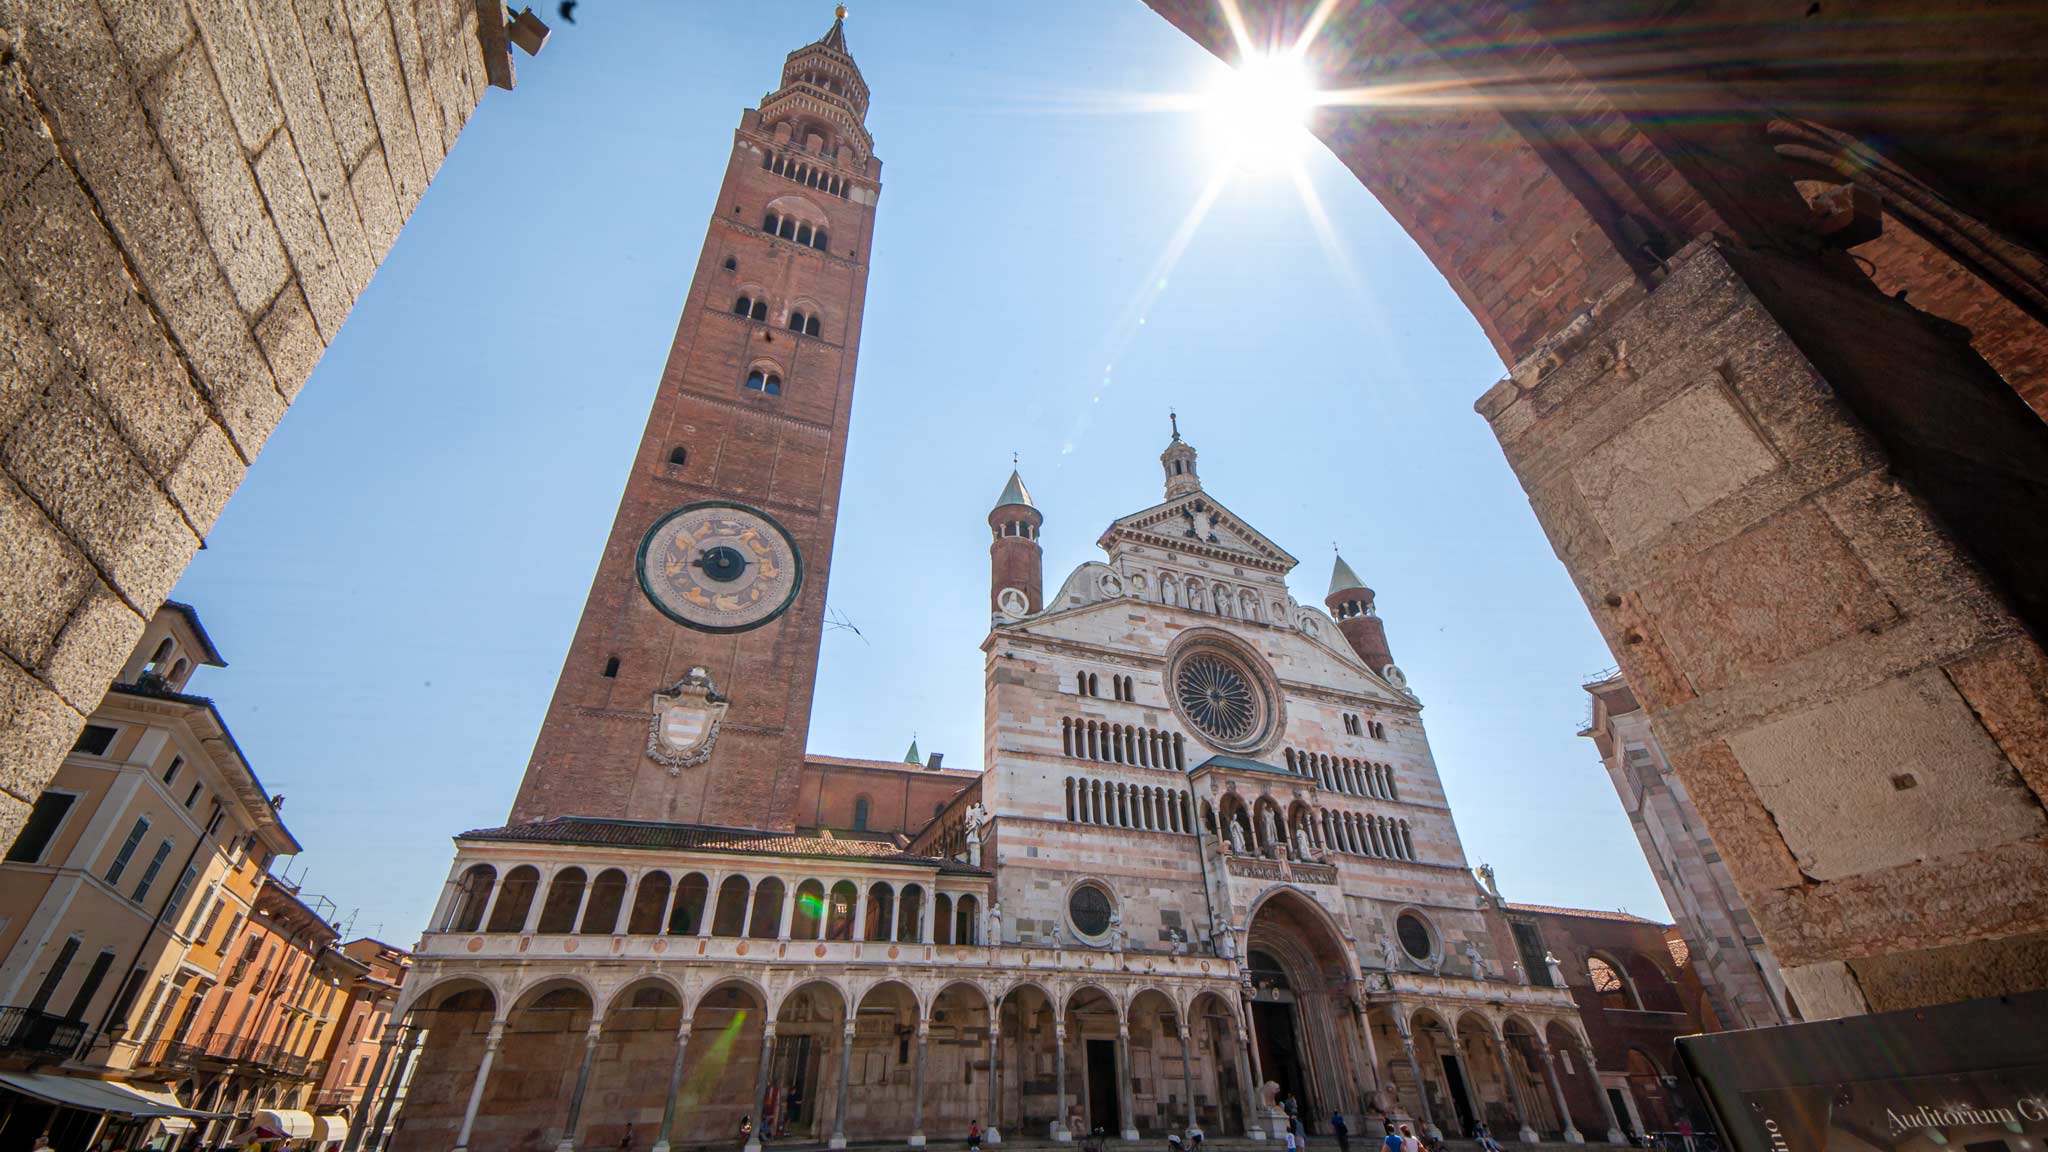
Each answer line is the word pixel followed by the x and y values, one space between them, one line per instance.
pixel 1343 579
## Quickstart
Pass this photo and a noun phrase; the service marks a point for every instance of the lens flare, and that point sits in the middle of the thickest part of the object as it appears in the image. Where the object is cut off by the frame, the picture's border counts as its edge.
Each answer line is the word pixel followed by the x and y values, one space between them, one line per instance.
pixel 1257 112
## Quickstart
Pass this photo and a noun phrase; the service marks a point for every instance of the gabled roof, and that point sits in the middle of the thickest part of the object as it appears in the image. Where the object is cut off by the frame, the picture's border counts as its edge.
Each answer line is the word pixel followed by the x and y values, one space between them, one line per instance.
pixel 1343 579
pixel 209 654
pixel 1167 525
pixel 1239 763
pixel 1015 493
pixel 1582 913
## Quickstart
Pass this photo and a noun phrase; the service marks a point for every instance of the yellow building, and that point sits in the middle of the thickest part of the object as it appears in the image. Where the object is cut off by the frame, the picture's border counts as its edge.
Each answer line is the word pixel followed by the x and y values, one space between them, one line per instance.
pixel 141 861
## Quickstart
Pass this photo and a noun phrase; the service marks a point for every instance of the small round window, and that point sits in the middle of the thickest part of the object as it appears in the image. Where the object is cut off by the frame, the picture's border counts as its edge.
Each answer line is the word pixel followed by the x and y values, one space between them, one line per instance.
pixel 1415 937
pixel 1089 909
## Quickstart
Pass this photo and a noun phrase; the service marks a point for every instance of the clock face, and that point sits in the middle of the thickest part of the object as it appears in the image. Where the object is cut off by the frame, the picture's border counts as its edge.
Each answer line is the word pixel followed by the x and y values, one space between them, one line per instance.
pixel 720 567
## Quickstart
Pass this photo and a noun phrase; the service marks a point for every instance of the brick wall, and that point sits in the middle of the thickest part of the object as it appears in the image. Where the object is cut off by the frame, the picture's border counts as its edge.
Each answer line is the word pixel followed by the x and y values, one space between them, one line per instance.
pixel 192 196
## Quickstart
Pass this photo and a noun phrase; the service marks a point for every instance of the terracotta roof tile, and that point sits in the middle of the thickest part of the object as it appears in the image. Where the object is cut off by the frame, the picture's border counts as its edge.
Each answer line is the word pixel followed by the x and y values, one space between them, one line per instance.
pixel 705 838
pixel 1584 913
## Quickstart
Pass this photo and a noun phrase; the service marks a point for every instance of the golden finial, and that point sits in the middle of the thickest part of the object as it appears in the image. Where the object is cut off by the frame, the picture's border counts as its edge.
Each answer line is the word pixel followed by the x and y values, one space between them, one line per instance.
pixel 839 13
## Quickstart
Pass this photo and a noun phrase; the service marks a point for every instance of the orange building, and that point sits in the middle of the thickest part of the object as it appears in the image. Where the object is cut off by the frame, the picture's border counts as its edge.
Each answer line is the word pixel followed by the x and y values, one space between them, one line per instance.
pixel 355 1044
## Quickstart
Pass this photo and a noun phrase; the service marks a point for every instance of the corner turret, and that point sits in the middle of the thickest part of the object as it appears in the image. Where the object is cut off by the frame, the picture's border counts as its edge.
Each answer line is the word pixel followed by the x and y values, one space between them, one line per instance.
pixel 1016 562
pixel 1350 601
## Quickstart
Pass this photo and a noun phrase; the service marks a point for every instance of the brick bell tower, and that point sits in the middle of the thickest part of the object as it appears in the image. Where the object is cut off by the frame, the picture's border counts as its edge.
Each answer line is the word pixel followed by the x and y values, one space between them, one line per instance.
pixel 1016 563
pixel 686 694
pixel 1351 602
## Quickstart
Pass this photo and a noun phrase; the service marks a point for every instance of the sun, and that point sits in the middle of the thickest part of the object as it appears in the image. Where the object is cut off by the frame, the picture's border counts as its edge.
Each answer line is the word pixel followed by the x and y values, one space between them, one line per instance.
pixel 1257 112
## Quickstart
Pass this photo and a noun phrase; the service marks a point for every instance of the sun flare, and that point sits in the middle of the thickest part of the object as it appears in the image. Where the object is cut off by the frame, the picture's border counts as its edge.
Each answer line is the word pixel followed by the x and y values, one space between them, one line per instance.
pixel 1258 112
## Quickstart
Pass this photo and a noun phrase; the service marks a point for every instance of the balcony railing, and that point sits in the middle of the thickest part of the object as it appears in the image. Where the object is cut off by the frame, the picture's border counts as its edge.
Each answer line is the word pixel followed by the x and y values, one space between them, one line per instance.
pixel 169 1054
pixel 27 1030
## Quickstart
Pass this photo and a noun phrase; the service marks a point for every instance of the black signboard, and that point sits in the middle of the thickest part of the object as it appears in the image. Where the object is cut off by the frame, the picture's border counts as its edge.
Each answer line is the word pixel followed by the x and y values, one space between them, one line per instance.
pixel 1970 1077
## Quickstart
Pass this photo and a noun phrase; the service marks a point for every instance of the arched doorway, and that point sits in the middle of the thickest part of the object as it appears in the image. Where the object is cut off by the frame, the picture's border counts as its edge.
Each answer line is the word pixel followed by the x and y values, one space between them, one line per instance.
pixel 803 1090
pixel 719 1067
pixel 1301 1013
pixel 454 1020
pixel 622 1104
pixel 1093 1022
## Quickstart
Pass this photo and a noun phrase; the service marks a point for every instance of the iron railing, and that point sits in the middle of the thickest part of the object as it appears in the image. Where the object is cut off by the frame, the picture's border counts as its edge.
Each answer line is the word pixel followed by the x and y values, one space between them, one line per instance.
pixel 29 1030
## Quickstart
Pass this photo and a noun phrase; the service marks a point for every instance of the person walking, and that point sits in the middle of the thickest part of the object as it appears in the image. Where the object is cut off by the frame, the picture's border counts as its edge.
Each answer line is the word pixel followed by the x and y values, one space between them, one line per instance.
pixel 1408 1141
pixel 974 1136
pixel 1342 1130
pixel 1391 1142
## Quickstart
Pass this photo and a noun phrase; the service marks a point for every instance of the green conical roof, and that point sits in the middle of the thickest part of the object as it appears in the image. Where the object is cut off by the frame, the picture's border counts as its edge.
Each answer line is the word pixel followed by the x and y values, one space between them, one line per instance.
pixel 913 756
pixel 1014 493
pixel 1343 579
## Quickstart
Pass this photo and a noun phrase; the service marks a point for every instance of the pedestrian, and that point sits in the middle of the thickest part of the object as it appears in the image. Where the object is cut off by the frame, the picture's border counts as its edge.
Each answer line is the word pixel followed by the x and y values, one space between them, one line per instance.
pixel 1343 1131
pixel 746 1129
pixel 42 1143
pixel 1408 1141
pixel 1391 1142
pixel 1291 1145
pixel 1173 1143
pixel 974 1136
pixel 1486 1141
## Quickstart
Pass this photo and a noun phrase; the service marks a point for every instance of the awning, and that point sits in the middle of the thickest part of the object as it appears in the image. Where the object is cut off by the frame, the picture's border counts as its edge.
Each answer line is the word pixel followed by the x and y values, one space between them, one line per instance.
pixel 89 1095
pixel 330 1128
pixel 294 1124
pixel 176 1125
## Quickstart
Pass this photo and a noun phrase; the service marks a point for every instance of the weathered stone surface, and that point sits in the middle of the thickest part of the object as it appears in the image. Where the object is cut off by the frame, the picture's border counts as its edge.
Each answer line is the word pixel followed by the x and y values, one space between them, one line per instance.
pixel 29 358
pixel 2007 688
pixel 290 341
pixel 41 582
pixel 238 64
pixel 391 107
pixel 1670 465
pixel 291 68
pixel 320 276
pixel 77 283
pixel 426 110
pixel 1858 762
pixel 205 479
pixel 24 146
pixel 151 33
pixel 371 185
pixel 191 118
pixel 36 729
pixel 331 44
pixel 67 456
pixel 1916 979
pixel 92 648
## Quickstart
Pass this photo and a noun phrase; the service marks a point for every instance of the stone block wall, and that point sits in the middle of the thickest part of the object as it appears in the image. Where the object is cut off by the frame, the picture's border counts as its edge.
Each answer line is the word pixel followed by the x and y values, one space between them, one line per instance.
pixel 193 193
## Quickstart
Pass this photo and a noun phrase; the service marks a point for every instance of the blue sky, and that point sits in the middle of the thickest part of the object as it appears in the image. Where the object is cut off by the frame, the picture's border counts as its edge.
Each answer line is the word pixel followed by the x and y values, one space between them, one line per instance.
pixel 396 583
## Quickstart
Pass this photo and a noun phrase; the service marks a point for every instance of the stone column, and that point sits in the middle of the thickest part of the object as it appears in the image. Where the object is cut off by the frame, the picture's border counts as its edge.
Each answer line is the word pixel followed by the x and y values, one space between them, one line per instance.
pixel 709 912
pixel 917 1115
pixel 1427 1117
pixel 788 909
pixel 1473 1100
pixel 1247 1093
pixel 895 910
pixel 1527 1134
pixel 582 903
pixel 1060 1131
pixel 1564 1111
pixel 492 1042
pixel 845 1069
pixel 568 1141
pixel 747 909
pixel 675 1087
pixel 991 1133
pixel 394 1083
pixel 1514 1089
pixel 1187 1076
pixel 761 1086
pixel 1125 1104
pixel 1250 1036
pixel 860 912
pixel 1614 1135
pixel 357 1131
pixel 483 922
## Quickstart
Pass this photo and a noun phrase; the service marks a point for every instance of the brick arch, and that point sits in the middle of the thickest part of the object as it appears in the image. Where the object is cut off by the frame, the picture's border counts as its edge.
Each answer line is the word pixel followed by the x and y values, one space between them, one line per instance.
pixel 1531 215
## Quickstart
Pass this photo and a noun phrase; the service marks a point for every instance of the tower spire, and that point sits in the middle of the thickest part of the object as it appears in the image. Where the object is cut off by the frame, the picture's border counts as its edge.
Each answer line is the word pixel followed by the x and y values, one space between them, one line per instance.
pixel 1179 462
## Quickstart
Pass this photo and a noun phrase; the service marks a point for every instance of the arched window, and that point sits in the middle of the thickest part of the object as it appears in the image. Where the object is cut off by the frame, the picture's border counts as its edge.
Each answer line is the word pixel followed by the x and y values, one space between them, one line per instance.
pixel 839 910
pixel 744 306
pixel 565 894
pixel 687 917
pixel 760 311
pixel 803 233
pixel 967 920
pixel 818 240
pixel 811 326
pixel 767 918
pixel 942 919
pixel 611 668
pixel 809 916
pixel 679 455
pixel 764 380
pixel 770 223
pixel 475 889
pixel 1093 688
pixel 731 265
pixel 1608 984
pixel 860 814
pixel 601 911
pixel 650 900
pixel 729 918
pixel 515 900
pixel 796 322
pixel 788 229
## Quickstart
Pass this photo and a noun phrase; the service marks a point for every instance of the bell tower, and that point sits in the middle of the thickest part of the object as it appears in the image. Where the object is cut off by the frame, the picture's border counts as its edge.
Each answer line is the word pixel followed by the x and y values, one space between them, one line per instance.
pixel 686 694
pixel 1015 562
pixel 1351 602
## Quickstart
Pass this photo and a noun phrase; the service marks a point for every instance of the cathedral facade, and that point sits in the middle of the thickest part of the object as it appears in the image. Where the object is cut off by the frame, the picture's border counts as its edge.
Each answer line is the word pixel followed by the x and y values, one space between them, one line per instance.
pixel 1206 867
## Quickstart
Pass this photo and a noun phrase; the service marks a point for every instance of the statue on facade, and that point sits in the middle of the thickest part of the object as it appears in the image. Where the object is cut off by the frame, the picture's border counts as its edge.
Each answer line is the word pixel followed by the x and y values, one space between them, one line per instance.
pixel 1486 877
pixel 1267 825
pixel 995 925
pixel 1237 838
pixel 1116 932
pixel 1478 962
pixel 1059 938
pixel 1390 955
pixel 1555 969
pixel 1301 845
pixel 1226 944
pixel 977 823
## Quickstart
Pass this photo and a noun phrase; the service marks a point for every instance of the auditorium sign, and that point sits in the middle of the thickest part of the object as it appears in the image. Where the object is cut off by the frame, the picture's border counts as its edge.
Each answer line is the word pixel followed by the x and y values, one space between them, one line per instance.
pixel 1969 1077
